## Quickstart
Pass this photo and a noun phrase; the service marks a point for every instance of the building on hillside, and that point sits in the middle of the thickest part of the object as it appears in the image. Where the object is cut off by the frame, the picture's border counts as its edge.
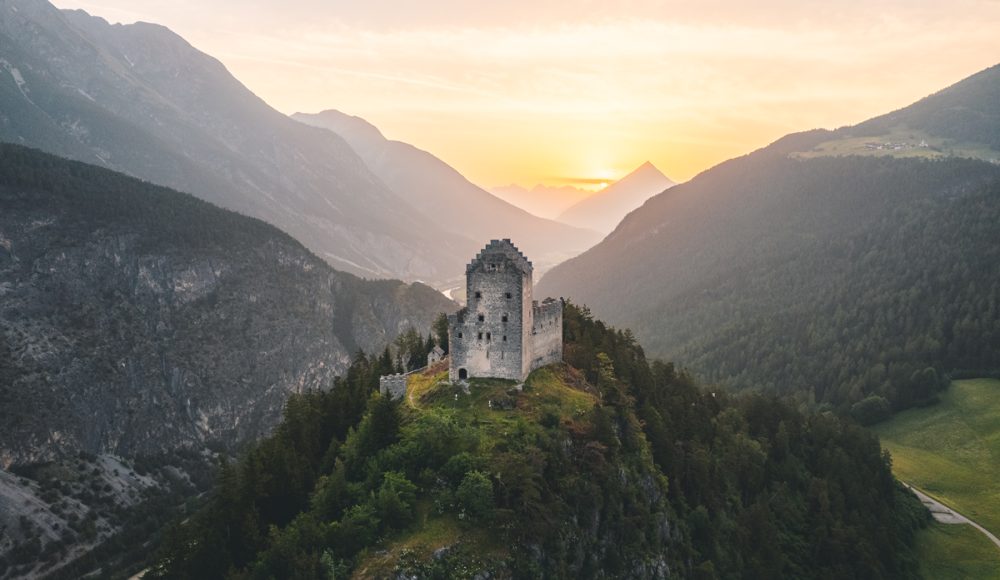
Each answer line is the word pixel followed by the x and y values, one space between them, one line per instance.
pixel 502 333
pixel 435 356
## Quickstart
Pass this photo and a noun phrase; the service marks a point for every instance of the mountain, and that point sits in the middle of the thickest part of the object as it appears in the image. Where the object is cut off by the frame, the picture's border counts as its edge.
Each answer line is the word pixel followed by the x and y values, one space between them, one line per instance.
pixel 140 100
pixel 442 194
pixel 966 112
pixel 603 210
pixel 830 279
pixel 541 200
pixel 135 319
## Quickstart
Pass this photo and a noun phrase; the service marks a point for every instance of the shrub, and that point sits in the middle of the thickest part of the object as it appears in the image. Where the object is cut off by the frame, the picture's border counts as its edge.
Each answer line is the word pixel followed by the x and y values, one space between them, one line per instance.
pixel 475 494
pixel 870 411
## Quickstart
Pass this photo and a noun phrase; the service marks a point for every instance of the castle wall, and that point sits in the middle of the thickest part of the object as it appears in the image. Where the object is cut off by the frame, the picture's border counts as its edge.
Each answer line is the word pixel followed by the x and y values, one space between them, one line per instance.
pixel 547 334
pixel 393 385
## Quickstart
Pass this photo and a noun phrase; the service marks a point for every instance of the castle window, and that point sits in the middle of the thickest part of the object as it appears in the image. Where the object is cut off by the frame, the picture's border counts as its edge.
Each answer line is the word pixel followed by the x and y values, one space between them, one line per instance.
pixel 459 335
pixel 505 338
pixel 508 296
pixel 481 318
pixel 505 318
pixel 487 336
pixel 479 294
pixel 480 336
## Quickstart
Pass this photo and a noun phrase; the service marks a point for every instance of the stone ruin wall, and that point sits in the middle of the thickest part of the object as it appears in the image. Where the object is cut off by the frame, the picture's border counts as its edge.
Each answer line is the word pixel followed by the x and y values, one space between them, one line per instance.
pixel 393 385
pixel 547 334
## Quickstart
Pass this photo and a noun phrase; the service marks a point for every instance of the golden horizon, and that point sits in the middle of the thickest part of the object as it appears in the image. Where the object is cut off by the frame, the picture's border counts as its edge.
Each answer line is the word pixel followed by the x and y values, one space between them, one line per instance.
pixel 559 93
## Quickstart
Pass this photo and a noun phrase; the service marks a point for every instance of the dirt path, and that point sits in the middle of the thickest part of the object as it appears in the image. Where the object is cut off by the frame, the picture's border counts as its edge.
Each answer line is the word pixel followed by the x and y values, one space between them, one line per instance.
pixel 949 516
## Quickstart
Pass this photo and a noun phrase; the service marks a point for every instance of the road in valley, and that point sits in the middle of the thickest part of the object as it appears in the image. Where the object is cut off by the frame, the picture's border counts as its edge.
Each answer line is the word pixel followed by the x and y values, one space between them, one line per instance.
pixel 947 515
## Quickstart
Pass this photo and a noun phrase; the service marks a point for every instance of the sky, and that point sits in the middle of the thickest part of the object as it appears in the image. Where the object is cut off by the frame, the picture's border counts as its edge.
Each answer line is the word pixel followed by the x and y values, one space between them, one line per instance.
pixel 579 93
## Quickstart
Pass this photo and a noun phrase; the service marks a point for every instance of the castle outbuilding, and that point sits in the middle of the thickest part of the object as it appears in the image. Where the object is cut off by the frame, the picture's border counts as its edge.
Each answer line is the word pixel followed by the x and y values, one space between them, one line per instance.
pixel 503 333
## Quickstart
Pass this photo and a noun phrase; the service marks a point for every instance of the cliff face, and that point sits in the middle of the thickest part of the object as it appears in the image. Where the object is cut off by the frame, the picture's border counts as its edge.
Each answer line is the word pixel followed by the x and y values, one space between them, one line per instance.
pixel 115 338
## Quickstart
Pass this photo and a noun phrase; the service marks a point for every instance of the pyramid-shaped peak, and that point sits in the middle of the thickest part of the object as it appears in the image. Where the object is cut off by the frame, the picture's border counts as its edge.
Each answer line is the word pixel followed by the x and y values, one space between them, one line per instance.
pixel 646 171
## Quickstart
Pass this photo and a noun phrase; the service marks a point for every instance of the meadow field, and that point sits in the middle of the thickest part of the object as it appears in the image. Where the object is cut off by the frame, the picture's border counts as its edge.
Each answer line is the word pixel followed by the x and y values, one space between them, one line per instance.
pixel 951 451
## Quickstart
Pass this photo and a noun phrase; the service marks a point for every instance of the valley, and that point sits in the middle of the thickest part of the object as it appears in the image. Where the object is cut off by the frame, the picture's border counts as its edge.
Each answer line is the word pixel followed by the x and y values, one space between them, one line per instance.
pixel 201 296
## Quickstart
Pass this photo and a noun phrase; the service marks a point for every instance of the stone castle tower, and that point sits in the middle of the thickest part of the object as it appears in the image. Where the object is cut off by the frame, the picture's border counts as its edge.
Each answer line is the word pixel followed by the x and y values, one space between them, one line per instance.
pixel 502 332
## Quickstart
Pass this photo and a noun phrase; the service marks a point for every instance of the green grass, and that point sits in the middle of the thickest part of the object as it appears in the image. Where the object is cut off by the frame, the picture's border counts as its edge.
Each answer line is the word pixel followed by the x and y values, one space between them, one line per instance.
pixel 555 390
pixel 951 451
pixel 856 146
pixel 956 552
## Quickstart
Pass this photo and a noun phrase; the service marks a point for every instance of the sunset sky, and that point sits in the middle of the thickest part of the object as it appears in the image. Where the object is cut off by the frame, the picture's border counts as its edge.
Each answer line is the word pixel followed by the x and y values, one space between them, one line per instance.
pixel 532 91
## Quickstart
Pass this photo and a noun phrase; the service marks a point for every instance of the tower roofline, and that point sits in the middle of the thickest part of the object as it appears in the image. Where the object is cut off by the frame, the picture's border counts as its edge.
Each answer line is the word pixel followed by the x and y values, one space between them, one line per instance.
pixel 503 247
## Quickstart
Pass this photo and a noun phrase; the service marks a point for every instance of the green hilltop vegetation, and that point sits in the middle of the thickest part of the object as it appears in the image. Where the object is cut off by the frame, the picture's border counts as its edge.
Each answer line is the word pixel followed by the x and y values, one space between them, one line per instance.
pixel 605 465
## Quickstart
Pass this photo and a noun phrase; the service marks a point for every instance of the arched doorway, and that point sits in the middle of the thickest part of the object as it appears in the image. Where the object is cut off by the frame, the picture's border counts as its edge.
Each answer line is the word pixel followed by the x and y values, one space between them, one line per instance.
pixel 463 374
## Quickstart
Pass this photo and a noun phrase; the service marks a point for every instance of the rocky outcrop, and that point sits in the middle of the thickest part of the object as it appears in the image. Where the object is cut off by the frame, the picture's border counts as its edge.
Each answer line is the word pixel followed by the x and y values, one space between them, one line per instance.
pixel 113 342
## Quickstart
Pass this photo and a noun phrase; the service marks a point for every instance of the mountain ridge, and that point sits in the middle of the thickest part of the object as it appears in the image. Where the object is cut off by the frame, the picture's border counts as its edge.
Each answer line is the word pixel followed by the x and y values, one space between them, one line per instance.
pixel 442 193
pixel 747 271
pixel 139 99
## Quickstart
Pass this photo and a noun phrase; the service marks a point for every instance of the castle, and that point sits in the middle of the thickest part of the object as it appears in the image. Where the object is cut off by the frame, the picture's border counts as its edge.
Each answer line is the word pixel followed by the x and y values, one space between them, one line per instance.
pixel 502 333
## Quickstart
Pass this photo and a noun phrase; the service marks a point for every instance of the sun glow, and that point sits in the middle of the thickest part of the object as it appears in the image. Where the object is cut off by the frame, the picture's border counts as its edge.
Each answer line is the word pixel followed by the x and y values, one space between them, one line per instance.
pixel 537 98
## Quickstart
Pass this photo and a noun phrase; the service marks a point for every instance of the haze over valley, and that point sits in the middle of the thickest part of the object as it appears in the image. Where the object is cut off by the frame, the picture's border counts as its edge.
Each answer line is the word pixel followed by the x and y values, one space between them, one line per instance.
pixel 379 292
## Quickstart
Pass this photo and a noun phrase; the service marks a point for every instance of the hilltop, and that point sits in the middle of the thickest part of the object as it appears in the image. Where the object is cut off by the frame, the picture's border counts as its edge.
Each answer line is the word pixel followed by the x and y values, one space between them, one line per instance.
pixel 604 465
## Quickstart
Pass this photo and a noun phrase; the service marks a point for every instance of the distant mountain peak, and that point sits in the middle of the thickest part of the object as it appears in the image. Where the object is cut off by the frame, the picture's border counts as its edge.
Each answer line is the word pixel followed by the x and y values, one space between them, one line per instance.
pixel 603 210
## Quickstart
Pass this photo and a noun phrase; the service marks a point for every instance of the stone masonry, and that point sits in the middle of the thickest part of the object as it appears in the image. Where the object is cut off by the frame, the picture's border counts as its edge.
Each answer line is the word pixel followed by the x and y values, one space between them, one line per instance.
pixel 393 385
pixel 502 332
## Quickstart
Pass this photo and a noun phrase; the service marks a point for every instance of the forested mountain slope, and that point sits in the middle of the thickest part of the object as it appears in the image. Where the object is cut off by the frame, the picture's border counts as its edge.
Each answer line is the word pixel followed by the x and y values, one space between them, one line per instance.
pixel 603 466
pixel 140 100
pixel 443 194
pixel 829 278
pixel 136 319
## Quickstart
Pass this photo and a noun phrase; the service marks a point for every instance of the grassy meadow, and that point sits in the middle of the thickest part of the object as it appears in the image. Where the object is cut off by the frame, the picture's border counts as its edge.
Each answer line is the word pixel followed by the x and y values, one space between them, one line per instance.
pixel 937 146
pixel 951 451
pixel 956 552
